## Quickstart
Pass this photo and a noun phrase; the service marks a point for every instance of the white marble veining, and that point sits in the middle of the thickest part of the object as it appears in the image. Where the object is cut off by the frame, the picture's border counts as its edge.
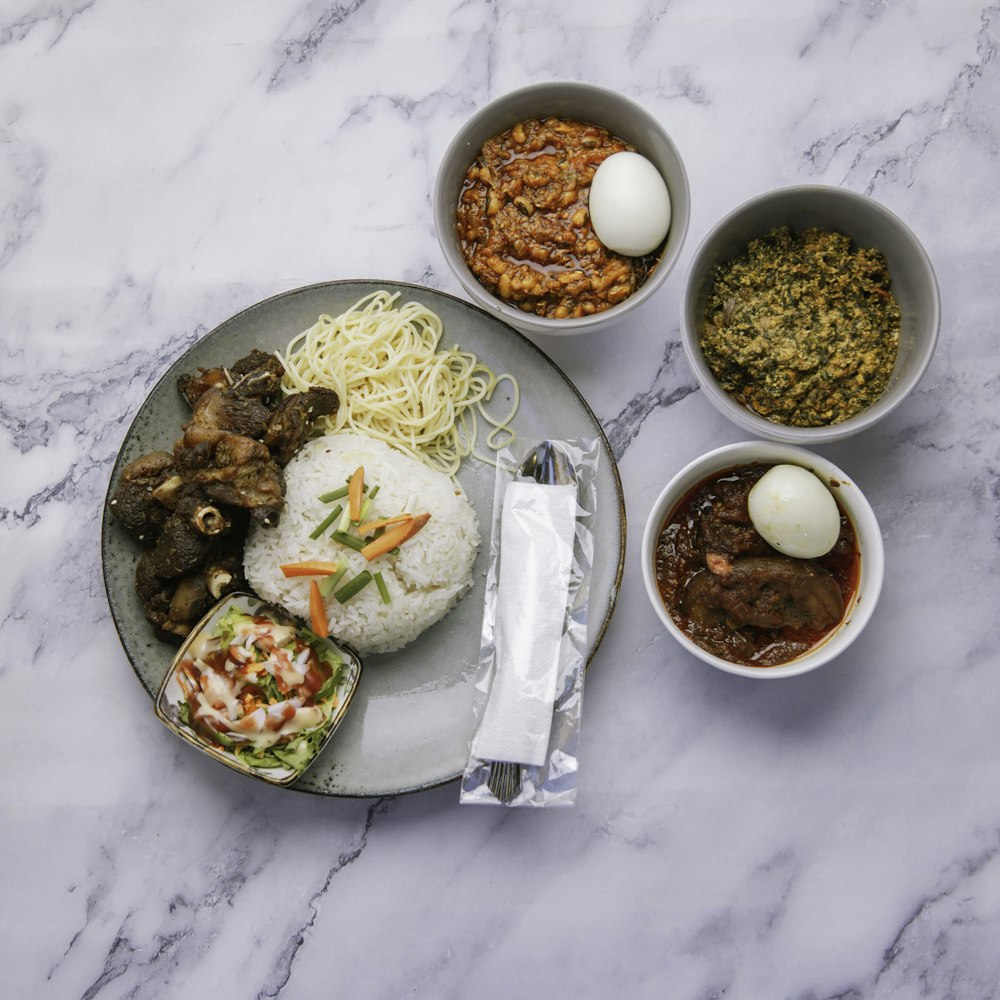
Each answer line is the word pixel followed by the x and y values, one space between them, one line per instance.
pixel 832 836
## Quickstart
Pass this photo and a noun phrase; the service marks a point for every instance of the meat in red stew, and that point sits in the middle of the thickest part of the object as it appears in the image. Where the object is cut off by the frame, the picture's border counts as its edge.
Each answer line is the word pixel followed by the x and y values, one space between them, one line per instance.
pixel 733 594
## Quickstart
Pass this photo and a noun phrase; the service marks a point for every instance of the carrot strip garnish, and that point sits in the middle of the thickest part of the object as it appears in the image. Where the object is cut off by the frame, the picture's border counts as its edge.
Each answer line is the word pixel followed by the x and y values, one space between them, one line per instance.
pixel 394 536
pixel 355 492
pixel 317 611
pixel 364 529
pixel 311 567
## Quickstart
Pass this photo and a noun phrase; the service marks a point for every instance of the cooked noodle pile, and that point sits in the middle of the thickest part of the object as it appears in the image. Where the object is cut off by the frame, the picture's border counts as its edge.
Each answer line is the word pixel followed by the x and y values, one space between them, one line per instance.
pixel 394 383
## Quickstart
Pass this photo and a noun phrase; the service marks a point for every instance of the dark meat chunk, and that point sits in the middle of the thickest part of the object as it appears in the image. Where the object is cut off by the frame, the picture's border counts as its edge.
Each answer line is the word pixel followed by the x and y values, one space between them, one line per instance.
pixel 291 421
pixel 192 387
pixel 734 538
pixel 198 590
pixel 728 528
pixel 193 507
pixel 202 516
pixel 147 584
pixel 190 599
pixel 134 502
pixel 156 595
pixel 178 548
pixel 258 376
pixel 175 604
pixel 226 411
pixel 233 470
pixel 224 572
pixel 157 465
pixel 766 592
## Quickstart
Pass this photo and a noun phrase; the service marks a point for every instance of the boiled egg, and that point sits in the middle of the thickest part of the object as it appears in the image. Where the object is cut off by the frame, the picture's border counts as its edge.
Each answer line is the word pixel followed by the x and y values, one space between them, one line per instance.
pixel 629 205
pixel 794 512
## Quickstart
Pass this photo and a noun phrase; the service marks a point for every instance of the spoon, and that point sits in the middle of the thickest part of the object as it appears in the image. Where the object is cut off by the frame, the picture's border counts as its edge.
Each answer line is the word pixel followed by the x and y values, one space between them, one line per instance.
pixel 548 465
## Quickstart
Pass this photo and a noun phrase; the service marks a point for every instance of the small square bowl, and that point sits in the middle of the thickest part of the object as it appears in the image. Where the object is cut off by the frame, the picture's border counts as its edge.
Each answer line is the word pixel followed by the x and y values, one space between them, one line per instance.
pixel 581 102
pixel 172 706
pixel 868 224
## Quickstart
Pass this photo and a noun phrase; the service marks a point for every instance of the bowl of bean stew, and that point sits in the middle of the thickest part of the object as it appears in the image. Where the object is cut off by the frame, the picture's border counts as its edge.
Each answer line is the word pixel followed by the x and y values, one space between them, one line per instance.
pixel 511 207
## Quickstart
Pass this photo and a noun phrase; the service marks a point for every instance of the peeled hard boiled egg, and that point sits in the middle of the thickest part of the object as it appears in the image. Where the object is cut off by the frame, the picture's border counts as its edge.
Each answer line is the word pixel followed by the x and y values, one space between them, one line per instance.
pixel 629 205
pixel 794 512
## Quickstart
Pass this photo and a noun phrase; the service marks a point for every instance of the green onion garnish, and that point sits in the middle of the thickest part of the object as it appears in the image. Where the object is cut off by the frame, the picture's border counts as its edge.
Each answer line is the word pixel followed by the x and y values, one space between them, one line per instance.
pixel 339 494
pixel 351 541
pixel 345 519
pixel 329 582
pixel 326 522
pixel 353 586
pixel 382 589
pixel 333 495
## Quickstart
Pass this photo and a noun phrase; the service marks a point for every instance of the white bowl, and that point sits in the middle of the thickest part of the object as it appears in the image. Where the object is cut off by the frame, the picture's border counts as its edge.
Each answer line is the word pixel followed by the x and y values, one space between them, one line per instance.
pixel 582 102
pixel 868 224
pixel 851 499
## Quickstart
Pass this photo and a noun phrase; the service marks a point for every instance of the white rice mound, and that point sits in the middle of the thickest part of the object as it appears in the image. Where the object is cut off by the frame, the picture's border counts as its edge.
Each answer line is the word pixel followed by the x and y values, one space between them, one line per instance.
pixel 425 580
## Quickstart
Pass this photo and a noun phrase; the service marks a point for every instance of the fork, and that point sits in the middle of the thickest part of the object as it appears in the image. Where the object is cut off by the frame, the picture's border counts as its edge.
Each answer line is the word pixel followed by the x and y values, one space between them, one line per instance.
pixel 504 780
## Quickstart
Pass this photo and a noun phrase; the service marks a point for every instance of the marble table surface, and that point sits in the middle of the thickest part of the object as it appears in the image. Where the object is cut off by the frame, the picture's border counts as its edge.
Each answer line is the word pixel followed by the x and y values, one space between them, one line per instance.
pixel 833 835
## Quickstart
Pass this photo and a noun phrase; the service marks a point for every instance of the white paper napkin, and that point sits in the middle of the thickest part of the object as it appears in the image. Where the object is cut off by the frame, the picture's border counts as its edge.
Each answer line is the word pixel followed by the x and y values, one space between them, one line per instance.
pixel 537 529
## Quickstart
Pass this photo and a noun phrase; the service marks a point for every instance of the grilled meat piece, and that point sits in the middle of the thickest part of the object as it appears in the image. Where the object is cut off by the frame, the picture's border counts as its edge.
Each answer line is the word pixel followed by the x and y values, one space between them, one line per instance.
pixel 224 571
pixel 232 469
pixel 292 420
pixel 765 591
pixel 156 595
pixel 190 599
pixel 203 517
pixel 176 608
pixel 193 386
pixel 178 549
pixel 156 465
pixel 134 503
pixel 258 376
pixel 192 507
pixel 147 583
pixel 174 604
pixel 227 411
pixel 198 590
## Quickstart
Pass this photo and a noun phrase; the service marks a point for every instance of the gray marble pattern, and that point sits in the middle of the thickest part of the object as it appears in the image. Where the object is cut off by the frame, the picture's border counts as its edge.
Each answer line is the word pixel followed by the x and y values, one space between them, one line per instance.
pixel 832 836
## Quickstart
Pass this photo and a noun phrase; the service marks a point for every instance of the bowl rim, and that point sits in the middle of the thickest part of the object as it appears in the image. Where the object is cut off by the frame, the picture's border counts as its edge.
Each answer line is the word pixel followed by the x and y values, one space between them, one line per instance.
pixel 754 422
pixel 866 528
pixel 529 322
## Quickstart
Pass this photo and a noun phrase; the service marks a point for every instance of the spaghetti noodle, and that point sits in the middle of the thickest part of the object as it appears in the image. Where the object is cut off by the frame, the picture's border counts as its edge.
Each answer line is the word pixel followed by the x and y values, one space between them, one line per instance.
pixel 396 385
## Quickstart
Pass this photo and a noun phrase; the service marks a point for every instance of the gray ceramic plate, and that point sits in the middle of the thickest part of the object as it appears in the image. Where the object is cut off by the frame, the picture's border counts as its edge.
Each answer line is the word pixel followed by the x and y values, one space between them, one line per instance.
pixel 409 725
